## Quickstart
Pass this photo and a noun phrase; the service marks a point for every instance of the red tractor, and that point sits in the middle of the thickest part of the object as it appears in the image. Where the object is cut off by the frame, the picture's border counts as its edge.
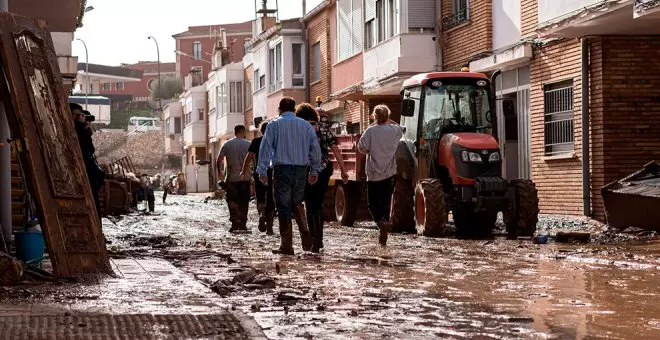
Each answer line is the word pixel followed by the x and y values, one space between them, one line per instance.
pixel 449 160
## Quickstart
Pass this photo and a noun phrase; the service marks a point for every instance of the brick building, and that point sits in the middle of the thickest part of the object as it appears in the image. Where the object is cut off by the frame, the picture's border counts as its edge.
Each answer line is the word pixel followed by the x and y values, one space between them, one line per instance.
pixel 569 71
pixel 195 47
pixel 141 91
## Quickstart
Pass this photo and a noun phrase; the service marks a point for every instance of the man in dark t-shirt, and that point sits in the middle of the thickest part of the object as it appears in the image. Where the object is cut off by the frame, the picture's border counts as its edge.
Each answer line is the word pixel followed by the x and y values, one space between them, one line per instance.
pixel 264 193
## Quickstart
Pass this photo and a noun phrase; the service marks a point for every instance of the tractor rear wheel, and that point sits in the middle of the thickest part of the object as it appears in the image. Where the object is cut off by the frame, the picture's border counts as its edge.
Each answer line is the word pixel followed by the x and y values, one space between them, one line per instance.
pixel 430 208
pixel 522 211
pixel 346 203
pixel 402 208
pixel 474 225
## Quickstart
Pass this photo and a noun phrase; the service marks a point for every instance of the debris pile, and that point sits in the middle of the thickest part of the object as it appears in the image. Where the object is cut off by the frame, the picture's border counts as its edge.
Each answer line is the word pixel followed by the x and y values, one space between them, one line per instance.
pixel 250 279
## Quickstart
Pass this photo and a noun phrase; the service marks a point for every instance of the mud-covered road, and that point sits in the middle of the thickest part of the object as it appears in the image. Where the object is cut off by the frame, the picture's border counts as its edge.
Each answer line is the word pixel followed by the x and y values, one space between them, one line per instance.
pixel 416 287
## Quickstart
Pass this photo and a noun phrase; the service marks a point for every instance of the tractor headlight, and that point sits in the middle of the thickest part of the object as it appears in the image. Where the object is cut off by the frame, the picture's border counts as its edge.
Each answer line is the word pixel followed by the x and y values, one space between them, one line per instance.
pixel 470 157
pixel 494 157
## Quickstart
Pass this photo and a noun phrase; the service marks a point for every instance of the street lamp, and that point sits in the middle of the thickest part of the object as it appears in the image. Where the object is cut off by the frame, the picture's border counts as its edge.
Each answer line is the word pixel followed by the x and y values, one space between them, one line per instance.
pixel 89 8
pixel 160 94
pixel 89 83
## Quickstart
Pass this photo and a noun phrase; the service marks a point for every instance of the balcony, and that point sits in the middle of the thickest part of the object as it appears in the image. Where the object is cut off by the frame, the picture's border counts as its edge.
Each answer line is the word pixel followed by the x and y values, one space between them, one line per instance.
pixel 580 18
pixel 173 145
pixel 194 134
pixel 225 124
pixel 389 63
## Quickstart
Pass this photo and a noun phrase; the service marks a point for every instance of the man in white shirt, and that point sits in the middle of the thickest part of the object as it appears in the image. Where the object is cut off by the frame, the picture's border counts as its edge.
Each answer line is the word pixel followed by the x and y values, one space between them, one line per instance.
pixel 379 142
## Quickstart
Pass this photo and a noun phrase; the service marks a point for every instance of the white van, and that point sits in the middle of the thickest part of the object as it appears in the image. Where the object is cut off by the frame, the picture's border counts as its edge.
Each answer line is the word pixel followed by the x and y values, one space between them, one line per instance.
pixel 143 124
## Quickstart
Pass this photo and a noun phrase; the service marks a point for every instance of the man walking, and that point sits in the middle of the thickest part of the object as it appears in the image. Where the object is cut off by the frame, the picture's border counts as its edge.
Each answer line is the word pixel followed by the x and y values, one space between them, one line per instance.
pixel 290 146
pixel 379 142
pixel 237 190
pixel 264 192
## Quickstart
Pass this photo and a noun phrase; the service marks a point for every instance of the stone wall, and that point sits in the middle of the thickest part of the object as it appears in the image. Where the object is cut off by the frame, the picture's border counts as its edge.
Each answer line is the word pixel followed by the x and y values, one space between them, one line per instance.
pixel 146 149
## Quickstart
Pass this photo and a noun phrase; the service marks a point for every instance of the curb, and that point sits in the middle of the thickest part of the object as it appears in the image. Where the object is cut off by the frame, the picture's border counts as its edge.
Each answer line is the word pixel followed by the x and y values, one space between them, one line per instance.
pixel 250 325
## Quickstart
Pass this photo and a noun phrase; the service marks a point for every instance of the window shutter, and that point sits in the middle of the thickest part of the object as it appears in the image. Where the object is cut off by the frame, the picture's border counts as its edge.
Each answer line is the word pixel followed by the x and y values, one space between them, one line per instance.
pixel 344 27
pixel 357 26
pixel 369 10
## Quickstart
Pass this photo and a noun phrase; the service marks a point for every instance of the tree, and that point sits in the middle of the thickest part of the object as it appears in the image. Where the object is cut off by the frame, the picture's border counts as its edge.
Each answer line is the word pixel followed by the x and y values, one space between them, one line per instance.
pixel 170 88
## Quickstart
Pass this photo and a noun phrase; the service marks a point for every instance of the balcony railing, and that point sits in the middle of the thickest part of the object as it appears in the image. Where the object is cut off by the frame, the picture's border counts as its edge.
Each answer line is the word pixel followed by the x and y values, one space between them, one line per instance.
pixel 455 19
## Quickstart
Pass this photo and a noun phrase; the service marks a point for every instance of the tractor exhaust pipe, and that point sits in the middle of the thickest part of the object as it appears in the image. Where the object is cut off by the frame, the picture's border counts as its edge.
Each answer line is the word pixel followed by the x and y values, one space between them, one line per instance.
pixel 493 91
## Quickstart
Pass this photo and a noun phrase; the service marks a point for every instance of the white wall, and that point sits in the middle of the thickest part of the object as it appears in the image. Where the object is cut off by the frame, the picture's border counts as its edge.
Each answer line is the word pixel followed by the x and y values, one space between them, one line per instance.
pixel 101 112
pixel 260 62
pixel 553 9
pixel 402 53
pixel 506 23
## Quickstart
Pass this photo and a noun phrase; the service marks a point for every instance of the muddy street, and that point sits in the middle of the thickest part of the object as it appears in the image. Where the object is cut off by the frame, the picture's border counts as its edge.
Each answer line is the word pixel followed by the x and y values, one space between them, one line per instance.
pixel 416 287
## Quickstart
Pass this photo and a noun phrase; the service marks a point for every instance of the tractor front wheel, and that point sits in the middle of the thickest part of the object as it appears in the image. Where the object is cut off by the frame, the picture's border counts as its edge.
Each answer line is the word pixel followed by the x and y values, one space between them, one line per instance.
pixel 402 208
pixel 430 209
pixel 522 211
pixel 347 198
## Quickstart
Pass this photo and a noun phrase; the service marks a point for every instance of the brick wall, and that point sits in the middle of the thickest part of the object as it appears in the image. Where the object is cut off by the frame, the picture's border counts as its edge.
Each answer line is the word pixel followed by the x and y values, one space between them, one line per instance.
pixel 393 102
pixel 469 39
pixel 318 31
pixel 528 17
pixel 559 181
pixel 355 112
pixel 628 134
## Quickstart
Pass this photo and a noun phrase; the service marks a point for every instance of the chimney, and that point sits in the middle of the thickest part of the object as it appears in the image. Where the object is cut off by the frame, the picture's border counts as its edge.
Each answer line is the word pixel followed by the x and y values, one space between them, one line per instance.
pixel 266 21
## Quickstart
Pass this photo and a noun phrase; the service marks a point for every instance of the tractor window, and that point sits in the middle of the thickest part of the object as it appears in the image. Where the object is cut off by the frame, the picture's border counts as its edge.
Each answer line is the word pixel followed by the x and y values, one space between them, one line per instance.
pixel 410 123
pixel 455 108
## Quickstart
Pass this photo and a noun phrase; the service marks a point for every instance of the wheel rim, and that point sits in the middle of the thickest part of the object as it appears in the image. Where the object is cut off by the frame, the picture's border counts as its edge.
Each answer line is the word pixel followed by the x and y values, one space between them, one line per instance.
pixel 339 202
pixel 420 209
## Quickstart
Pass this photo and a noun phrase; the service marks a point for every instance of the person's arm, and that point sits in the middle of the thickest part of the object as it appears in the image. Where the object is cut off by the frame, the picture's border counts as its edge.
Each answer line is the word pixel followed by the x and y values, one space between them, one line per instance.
pixel 340 161
pixel 314 151
pixel 365 142
pixel 220 161
pixel 266 149
pixel 246 165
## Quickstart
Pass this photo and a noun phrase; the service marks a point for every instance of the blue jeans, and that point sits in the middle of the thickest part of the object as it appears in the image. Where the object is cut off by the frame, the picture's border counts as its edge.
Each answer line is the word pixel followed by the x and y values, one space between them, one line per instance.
pixel 289 187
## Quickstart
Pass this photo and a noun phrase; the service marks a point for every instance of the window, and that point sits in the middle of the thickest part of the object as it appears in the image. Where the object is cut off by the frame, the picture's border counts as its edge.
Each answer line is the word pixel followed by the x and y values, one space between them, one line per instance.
pixel 369 34
pixel 222 103
pixel 119 86
pixel 262 81
pixel 106 87
pixel 167 126
pixel 558 117
pixel 349 28
pixel 316 67
pixel 275 62
pixel 200 115
pixel 188 118
pixel 410 123
pixel 298 78
pixel 380 20
pixel 460 14
pixel 197 50
pixel 255 77
pixel 248 94
pixel 177 124
pixel 236 97
pixel 392 18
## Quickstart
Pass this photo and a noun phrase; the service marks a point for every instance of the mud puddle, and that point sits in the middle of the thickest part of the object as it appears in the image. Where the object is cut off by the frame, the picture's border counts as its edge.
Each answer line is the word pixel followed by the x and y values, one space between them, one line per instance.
pixel 415 288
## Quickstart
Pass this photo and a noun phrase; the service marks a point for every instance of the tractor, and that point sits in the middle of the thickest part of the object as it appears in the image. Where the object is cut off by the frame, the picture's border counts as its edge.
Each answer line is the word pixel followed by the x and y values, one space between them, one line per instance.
pixel 449 160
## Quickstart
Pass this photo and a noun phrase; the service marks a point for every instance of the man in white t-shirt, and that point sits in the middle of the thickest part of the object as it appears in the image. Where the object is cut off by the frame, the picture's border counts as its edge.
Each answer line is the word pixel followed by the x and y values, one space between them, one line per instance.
pixel 379 142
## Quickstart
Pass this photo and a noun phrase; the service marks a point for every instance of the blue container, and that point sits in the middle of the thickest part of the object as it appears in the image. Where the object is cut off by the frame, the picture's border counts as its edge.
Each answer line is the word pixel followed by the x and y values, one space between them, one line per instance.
pixel 30 246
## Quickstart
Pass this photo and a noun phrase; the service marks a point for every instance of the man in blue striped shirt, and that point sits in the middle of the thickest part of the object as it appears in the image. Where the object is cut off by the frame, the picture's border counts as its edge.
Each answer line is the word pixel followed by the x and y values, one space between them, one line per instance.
pixel 291 147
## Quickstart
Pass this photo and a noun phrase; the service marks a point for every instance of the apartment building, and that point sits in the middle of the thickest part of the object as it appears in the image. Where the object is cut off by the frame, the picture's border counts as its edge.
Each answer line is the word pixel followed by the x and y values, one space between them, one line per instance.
pixel 577 97
pixel 195 47
pixel 141 91
pixel 193 101
pixel 173 128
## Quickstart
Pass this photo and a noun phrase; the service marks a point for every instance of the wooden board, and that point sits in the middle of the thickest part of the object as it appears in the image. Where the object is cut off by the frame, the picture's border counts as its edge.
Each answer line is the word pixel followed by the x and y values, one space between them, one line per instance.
pixel 40 120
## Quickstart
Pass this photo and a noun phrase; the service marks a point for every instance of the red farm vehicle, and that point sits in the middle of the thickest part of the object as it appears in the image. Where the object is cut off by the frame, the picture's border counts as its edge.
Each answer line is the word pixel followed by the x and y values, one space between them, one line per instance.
pixel 448 161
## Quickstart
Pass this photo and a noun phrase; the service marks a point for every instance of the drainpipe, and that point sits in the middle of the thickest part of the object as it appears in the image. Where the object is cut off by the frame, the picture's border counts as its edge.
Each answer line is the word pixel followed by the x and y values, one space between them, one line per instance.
pixel 5 169
pixel 438 35
pixel 493 103
pixel 305 58
pixel 586 180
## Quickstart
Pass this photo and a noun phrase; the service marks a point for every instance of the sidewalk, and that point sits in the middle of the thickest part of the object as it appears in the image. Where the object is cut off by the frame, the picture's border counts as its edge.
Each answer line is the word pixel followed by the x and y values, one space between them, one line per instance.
pixel 150 299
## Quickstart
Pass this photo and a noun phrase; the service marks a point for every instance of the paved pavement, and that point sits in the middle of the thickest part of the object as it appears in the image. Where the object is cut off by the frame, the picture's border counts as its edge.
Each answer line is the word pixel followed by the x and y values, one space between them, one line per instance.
pixel 148 299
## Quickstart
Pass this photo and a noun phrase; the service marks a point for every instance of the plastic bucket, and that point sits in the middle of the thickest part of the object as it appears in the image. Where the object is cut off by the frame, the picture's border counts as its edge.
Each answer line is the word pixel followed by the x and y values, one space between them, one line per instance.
pixel 30 247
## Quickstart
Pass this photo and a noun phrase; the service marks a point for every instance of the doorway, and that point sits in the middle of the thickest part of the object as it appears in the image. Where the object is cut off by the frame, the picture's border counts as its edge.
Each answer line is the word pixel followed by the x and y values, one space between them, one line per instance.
pixel 513 121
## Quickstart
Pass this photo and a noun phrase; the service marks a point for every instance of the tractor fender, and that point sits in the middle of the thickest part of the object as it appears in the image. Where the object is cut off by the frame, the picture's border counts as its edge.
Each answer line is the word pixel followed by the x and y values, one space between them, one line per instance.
pixel 406 164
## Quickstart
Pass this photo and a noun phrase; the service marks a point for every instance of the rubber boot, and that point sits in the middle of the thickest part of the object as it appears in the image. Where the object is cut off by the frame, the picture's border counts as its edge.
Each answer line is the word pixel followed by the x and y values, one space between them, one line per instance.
pixel 286 236
pixel 270 216
pixel 261 208
pixel 313 221
pixel 301 220
pixel 320 230
pixel 384 228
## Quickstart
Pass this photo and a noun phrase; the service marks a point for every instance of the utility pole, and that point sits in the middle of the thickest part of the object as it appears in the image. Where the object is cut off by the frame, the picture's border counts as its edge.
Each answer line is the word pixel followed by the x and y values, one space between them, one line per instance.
pixel 89 83
pixel 160 94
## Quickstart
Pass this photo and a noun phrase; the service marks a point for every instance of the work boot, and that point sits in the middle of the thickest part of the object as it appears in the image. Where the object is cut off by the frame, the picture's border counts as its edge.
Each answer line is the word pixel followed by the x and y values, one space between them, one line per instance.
pixel 384 228
pixel 301 220
pixel 312 220
pixel 286 236
pixel 320 230
pixel 269 223
pixel 261 208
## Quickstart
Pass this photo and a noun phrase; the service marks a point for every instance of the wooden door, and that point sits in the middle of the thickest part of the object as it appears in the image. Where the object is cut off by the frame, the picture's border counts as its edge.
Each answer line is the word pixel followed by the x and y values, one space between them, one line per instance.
pixel 40 120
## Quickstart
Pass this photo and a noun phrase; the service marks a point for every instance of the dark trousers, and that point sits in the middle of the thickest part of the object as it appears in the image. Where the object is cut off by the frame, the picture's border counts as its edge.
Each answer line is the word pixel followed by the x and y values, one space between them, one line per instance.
pixel 380 197
pixel 314 196
pixel 289 187
pixel 238 201
pixel 264 192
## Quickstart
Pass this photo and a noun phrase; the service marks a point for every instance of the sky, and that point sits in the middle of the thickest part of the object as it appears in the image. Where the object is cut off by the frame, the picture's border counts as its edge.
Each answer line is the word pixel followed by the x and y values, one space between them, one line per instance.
pixel 117 31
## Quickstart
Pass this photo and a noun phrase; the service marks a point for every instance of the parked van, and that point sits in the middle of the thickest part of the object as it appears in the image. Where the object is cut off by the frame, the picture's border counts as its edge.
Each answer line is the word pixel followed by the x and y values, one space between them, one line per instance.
pixel 143 124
